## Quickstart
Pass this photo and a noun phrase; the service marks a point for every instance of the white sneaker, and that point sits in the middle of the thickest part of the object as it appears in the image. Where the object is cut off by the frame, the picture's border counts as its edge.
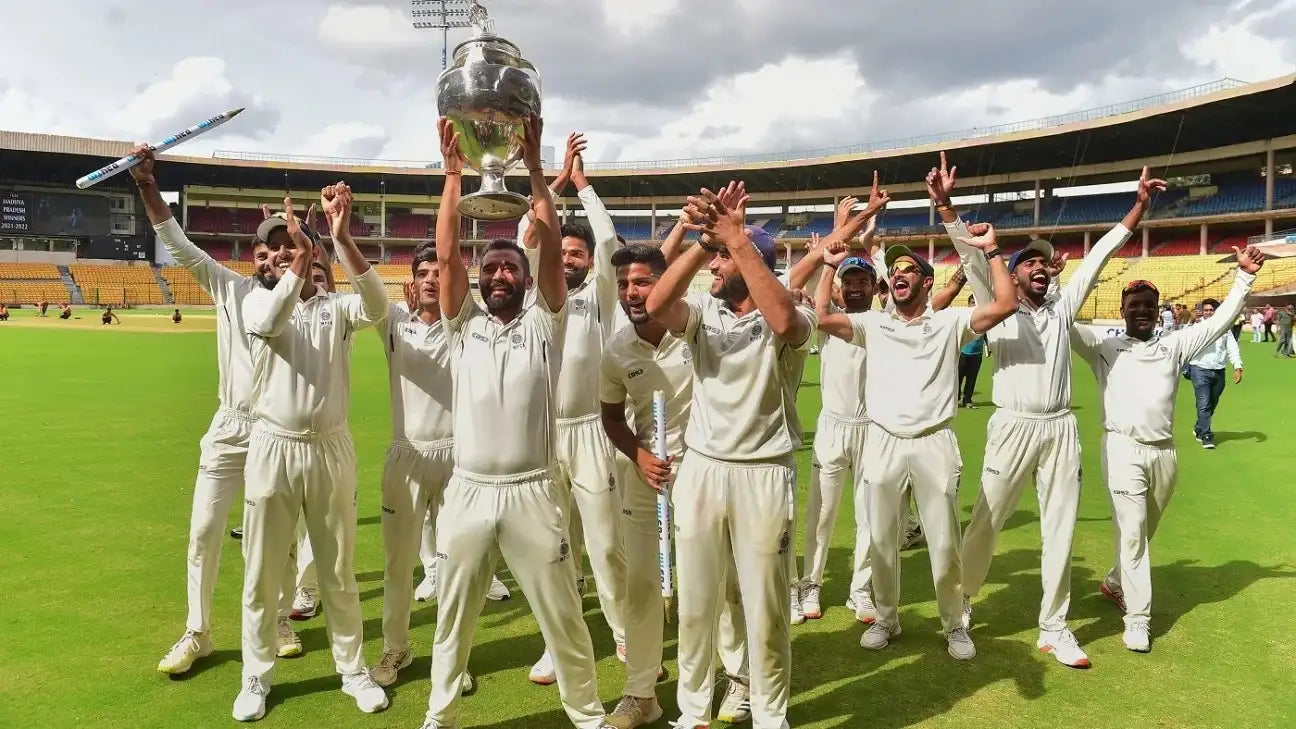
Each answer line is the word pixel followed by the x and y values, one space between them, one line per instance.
pixel 735 707
pixel 1137 638
pixel 288 645
pixel 861 603
pixel 633 711
pixel 305 603
pixel 189 648
pixel 1064 647
pixel 542 672
pixel 391 662
pixel 798 617
pixel 878 636
pixel 467 684
pixel 498 590
pixel 369 696
pixel 621 652
pixel 960 645
pixel 426 589
pixel 810 606
pixel 1113 593
pixel 249 705
pixel 966 614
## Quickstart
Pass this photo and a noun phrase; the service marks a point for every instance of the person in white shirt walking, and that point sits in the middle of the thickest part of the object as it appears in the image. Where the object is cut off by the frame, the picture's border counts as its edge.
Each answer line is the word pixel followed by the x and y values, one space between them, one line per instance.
pixel 1138 377
pixel 224 447
pixel 637 361
pixel 1206 373
pixel 734 496
pixel 585 456
pixel 420 458
pixel 911 375
pixel 503 497
pixel 1033 434
pixel 301 457
pixel 1257 325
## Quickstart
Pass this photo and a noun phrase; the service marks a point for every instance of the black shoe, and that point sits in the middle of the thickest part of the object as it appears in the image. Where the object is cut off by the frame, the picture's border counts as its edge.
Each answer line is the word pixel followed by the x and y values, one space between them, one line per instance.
pixel 1208 443
pixel 236 533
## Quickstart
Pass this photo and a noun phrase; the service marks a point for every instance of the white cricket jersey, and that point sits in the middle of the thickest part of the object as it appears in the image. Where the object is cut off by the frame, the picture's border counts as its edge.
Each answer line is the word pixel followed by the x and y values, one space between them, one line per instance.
pixel 633 369
pixel 418 371
pixel 227 289
pixel 1032 348
pixel 505 388
pixel 301 350
pixel 911 371
pixel 591 311
pixel 1138 380
pixel 841 379
pixel 744 383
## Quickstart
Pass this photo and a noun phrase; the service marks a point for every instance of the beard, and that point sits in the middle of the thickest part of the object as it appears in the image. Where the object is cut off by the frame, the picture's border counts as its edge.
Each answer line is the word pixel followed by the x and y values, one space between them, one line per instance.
pixel 640 318
pixel 494 305
pixel 733 290
pixel 268 276
pixel 575 277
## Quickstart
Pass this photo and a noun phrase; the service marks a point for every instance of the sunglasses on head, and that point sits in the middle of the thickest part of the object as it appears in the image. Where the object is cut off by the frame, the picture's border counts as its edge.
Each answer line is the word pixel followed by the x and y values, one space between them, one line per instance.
pixel 905 268
pixel 1140 284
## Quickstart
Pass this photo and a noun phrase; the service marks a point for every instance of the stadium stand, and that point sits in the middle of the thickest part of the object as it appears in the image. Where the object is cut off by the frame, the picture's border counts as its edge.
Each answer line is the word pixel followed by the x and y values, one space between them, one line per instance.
pixel 116 285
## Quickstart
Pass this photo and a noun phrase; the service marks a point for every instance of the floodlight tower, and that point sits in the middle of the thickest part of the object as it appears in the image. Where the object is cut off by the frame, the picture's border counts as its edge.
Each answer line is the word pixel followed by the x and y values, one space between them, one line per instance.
pixel 441 15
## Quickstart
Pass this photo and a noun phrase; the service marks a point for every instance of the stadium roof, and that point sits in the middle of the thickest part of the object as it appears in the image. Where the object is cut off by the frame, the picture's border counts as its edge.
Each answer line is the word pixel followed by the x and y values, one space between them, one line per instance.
pixel 1074 146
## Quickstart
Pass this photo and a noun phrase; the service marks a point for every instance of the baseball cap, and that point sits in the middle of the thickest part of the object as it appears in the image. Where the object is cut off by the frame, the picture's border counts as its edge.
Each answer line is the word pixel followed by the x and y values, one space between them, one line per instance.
pixel 764 243
pixel 277 221
pixel 893 253
pixel 1037 245
pixel 856 263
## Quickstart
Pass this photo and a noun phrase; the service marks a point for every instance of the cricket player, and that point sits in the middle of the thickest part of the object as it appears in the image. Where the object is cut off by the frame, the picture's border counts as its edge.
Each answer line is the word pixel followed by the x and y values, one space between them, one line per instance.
pixel 1138 377
pixel 911 375
pixel 420 458
pixel 1033 435
pixel 503 497
pixel 301 457
pixel 585 456
pixel 733 499
pixel 224 447
pixel 638 361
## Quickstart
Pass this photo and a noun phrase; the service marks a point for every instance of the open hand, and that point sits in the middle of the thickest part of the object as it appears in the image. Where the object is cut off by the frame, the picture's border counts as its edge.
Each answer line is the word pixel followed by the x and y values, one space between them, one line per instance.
pixel 451 152
pixel 1054 267
pixel 845 207
pixel 1146 187
pixel 302 243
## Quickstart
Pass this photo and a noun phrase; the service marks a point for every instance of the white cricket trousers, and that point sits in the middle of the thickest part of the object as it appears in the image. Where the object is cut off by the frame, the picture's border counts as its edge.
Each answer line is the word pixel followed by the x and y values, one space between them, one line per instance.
pixel 414 477
pixel 1021 447
pixel 586 470
pixel 288 474
pixel 525 519
pixel 1140 481
pixel 932 466
pixel 739 513
pixel 222 459
pixel 644 615
pixel 838 449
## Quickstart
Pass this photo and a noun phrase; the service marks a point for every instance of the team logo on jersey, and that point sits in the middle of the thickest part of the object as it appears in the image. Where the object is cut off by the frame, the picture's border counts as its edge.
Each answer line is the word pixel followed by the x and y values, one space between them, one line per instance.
pixel 325 317
pixel 579 307
pixel 1161 349
pixel 927 330
pixel 611 482
pixel 784 542
pixel 516 340
pixel 756 331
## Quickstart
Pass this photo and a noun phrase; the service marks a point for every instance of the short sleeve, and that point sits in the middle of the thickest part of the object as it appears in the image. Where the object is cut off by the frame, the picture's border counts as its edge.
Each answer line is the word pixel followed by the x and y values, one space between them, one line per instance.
pixel 611 386
pixel 550 324
pixel 467 311
pixel 808 316
pixel 859 327
pixel 960 319
pixel 697 308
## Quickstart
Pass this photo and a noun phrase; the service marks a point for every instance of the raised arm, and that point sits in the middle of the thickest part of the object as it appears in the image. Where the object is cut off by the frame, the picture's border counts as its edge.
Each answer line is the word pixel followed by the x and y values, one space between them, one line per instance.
pixel 832 323
pixel 940 188
pixel 267 313
pixel 372 302
pixel 551 282
pixel 666 302
pixel 673 246
pixel 451 271
pixel 525 236
pixel 950 291
pixel 1188 343
pixel 605 236
pixel 1085 342
pixel 207 271
pixel 989 314
pixel 1086 275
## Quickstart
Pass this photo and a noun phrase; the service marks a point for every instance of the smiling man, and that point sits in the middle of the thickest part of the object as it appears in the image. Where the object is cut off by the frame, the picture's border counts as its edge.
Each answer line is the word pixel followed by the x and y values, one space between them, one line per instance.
pixel 1033 434
pixel 1138 377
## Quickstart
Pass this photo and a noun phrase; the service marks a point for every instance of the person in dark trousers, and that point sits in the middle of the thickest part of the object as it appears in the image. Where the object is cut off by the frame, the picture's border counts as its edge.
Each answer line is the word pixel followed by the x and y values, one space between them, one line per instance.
pixel 175 317
pixel 969 365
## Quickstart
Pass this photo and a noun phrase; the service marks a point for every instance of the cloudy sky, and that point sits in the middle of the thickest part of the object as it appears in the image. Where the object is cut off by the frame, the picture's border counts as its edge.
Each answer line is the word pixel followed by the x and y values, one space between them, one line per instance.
pixel 645 79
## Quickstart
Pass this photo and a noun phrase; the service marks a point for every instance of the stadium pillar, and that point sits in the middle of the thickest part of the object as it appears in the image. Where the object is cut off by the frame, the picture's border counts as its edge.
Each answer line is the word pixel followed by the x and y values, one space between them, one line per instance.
pixel 1201 250
pixel 475 236
pixel 1147 235
pixel 565 218
pixel 1269 181
pixel 652 220
pixel 382 252
pixel 1037 206
pixel 382 217
pixel 931 213
pixel 1268 227
pixel 1088 240
pixel 931 249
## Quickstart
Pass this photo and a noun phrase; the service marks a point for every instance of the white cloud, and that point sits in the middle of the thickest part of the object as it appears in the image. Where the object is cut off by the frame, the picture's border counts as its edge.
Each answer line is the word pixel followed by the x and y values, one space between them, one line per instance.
pixel 195 89
pixel 357 140
pixel 637 17
pixel 21 111
pixel 367 27
pixel 1239 52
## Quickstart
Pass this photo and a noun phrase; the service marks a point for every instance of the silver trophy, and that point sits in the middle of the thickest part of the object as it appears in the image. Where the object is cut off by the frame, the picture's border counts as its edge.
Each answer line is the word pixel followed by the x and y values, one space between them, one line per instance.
pixel 488 92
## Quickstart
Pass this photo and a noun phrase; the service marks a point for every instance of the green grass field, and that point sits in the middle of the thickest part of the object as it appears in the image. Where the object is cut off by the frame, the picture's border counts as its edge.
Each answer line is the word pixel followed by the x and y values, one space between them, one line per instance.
pixel 97 458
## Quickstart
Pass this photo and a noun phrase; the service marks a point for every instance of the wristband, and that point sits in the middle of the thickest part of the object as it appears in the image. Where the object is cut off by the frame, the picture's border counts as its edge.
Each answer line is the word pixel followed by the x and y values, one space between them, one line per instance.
pixel 833 266
pixel 992 253
pixel 454 172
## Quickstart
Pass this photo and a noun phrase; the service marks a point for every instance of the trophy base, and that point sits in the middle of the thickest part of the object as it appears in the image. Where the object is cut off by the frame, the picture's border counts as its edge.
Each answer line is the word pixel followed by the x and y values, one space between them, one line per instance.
pixel 494 206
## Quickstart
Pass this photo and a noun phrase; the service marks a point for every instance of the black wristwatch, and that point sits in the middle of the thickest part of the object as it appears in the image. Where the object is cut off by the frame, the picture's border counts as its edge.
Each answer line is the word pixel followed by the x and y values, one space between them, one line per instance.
pixel 992 253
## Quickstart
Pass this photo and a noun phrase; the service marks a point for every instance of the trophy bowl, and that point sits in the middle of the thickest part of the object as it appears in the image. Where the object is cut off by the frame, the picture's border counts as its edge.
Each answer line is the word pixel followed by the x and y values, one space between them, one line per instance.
pixel 488 93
